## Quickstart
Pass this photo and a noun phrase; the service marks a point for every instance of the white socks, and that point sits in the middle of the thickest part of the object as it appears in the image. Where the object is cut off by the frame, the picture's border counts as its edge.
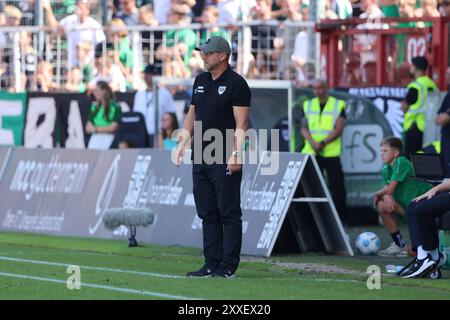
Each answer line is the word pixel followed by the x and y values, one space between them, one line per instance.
pixel 422 254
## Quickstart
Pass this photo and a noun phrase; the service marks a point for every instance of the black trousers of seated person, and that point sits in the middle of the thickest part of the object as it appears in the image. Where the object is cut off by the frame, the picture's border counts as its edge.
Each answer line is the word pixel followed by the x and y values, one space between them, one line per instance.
pixel 217 199
pixel 421 220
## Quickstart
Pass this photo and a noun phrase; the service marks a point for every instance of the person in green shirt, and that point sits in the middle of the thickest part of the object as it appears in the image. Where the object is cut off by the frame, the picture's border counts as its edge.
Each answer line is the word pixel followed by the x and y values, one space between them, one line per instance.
pixel 406 9
pixel 178 44
pixel 389 8
pixel 104 113
pixel 400 188
pixel 210 16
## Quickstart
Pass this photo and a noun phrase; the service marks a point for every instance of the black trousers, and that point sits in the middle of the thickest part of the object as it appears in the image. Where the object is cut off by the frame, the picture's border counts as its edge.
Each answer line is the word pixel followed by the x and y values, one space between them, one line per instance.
pixel 413 140
pixel 445 154
pixel 421 223
pixel 333 169
pixel 218 202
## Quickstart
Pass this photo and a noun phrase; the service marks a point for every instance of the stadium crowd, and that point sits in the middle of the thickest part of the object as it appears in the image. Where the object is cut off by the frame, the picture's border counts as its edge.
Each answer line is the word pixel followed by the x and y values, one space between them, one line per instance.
pixel 91 40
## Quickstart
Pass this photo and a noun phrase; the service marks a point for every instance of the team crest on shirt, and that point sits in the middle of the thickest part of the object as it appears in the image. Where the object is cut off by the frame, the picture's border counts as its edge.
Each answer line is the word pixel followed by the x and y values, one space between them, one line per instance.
pixel 222 89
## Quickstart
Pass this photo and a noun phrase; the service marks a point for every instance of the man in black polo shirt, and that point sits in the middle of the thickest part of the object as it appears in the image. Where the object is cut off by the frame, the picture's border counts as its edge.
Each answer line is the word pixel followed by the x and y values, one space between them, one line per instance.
pixel 220 105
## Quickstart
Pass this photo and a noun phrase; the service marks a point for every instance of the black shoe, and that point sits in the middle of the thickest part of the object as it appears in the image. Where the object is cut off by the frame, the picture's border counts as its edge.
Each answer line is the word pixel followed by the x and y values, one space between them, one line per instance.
pixel 421 267
pixel 203 272
pixel 222 273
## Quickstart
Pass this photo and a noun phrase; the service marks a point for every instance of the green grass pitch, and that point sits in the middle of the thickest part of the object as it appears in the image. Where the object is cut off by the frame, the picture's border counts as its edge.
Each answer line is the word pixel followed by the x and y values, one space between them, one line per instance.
pixel 35 267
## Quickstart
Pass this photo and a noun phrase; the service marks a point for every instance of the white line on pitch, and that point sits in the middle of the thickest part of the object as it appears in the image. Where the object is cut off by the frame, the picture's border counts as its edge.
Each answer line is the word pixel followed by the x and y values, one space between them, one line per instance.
pixel 58 264
pixel 98 286
pixel 161 275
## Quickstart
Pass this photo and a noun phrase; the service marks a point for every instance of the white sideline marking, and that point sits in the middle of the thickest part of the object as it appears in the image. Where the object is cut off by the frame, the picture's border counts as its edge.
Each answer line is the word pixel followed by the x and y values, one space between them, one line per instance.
pixel 98 286
pixel 161 275
pixel 48 263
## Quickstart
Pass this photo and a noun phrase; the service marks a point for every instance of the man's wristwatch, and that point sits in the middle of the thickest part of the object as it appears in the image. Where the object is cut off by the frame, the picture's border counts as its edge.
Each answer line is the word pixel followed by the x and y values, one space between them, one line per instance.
pixel 237 153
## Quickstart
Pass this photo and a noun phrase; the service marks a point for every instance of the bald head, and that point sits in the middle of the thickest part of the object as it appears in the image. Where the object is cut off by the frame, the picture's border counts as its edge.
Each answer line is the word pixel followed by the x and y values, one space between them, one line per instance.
pixel 320 87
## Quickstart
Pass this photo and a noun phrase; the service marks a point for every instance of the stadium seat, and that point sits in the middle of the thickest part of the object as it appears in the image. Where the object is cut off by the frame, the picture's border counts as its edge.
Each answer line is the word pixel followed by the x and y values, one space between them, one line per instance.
pixel 132 127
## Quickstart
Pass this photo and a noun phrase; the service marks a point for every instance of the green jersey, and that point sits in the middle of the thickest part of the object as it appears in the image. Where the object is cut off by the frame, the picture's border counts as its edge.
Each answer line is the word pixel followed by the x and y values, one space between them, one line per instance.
pixel 98 118
pixel 408 187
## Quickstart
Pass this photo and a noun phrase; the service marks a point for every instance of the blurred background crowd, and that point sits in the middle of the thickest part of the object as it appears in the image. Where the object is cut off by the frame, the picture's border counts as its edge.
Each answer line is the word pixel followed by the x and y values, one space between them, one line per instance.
pixel 69 45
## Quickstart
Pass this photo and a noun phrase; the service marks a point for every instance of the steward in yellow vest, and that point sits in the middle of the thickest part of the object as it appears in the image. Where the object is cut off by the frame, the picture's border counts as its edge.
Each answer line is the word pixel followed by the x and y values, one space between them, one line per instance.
pixel 321 127
pixel 414 105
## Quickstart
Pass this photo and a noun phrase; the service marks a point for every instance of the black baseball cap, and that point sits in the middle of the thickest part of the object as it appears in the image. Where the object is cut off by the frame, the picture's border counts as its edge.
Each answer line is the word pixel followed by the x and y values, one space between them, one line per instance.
pixel 215 44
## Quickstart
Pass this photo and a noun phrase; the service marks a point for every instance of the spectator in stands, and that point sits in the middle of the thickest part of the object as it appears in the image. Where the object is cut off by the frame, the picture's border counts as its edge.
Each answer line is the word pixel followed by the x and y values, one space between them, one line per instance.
pixel 10 50
pixel 309 74
pixel 356 8
pixel 27 7
pixel 161 11
pixel 85 61
pixel 328 10
pixel 371 10
pixel 399 188
pixel 414 105
pixel 232 11
pixel 29 59
pixel 168 127
pixel 321 127
pixel 369 76
pixel 300 54
pixel 45 81
pixel 210 17
pixel 179 45
pixel 444 8
pixel 353 74
pixel 366 44
pixel 287 10
pixel 78 27
pixel 263 36
pixel 107 69
pixel 389 8
pixel 74 81
pixel 406 9
pixel 428 9
pixel 342 8
pixel 146 16
pixel 105 112
pixel 121 47
pixel 443 120
pixel 145 101
pixel 129 13
pixel 284 42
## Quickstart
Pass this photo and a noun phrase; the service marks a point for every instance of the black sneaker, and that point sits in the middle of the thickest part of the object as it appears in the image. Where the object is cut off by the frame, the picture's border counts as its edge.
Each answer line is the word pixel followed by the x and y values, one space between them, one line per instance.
pixel 222 273
pixel 421 268
pixel 204 272
pixel 407 269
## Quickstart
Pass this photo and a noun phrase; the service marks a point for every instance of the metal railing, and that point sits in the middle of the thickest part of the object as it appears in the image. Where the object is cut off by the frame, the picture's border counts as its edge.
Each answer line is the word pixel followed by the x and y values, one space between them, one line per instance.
pixel 36 58
pixel 358 53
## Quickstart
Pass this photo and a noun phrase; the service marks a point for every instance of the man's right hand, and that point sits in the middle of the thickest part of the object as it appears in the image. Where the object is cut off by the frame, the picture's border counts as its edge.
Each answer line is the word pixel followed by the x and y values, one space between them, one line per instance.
pixel 179 152
pixel 317 147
